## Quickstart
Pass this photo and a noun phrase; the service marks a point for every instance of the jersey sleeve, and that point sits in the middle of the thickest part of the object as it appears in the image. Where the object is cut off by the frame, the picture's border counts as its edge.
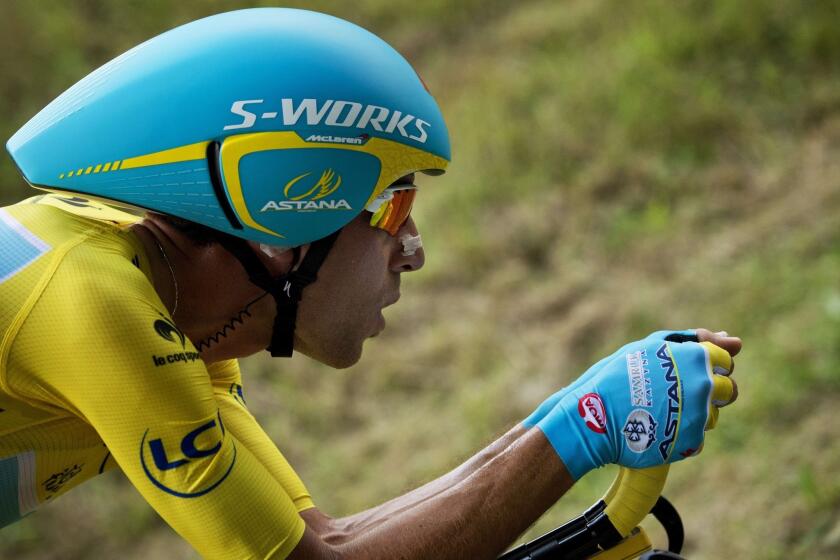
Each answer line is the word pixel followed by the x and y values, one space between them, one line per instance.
pixel 100 345
pixel 227 385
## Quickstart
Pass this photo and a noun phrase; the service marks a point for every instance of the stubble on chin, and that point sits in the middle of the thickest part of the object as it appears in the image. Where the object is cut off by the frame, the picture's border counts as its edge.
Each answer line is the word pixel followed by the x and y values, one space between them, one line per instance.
pixel 338 353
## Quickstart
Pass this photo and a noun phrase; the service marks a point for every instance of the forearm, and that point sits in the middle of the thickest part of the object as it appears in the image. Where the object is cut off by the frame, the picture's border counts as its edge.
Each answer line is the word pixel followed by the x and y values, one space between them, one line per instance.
pixel 479 509
pixel 477 514
pixel 368 519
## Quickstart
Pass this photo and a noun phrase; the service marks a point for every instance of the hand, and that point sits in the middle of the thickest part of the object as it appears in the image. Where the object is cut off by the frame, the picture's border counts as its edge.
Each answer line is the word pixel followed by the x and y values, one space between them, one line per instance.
pixel 647 404
pixel 729 343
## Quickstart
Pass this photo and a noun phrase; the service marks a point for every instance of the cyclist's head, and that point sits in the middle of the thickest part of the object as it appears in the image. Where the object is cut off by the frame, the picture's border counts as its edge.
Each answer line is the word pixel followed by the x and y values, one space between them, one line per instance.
pixel 344 307
pixel 270 125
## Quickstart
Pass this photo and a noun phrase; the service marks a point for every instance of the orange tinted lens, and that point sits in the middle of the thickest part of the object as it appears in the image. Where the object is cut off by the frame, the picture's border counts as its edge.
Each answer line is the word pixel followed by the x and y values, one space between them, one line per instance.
pixel 402 203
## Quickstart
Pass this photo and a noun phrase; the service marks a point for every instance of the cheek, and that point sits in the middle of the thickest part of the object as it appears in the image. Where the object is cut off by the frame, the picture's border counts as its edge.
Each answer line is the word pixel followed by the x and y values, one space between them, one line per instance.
pixel 356 282
pixel 337 312
pixel 336 309
pixel 341 309
pixel 330 333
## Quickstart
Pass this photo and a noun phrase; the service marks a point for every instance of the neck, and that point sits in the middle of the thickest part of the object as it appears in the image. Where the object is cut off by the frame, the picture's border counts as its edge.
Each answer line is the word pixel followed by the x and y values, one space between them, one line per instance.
pixel 218 309
pixel 164 278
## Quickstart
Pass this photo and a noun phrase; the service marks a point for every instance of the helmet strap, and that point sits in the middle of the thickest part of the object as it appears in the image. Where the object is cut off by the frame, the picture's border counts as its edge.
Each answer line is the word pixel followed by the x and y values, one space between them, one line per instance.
pixel 287 290
pixel 291 292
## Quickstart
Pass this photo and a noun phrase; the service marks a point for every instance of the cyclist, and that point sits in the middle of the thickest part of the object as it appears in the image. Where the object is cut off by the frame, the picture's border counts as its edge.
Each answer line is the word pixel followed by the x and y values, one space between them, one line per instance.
pixel 276 152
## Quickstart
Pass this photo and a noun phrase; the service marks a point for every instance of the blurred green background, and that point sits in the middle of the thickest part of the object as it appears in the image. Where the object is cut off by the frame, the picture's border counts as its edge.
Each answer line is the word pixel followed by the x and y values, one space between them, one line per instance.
pixel 619 167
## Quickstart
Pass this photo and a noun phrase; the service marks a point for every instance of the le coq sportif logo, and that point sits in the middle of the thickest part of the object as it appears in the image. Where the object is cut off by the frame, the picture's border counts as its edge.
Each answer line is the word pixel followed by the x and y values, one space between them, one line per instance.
pixel 167 330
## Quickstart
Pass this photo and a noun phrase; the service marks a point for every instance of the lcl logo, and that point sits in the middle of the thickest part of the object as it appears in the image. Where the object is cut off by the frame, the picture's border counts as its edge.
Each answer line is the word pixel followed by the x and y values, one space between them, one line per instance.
pixel 166 464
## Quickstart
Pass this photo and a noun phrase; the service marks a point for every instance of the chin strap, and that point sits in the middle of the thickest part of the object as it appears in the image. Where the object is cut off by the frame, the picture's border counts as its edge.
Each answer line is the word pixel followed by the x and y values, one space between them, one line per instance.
pixel 287 290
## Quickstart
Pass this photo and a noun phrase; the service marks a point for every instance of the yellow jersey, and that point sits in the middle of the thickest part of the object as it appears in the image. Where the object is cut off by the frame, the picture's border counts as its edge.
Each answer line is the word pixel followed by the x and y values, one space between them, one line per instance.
pixel 94 375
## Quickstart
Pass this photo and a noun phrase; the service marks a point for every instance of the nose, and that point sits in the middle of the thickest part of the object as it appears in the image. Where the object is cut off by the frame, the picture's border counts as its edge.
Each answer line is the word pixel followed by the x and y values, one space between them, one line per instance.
pixel 400 262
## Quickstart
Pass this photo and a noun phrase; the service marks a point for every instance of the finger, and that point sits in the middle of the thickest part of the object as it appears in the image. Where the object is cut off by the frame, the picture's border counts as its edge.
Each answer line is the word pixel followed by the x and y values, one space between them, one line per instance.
pixel 719 359
pixel 735 389
pixel 713 418
pixel 724 390
pixel 731 344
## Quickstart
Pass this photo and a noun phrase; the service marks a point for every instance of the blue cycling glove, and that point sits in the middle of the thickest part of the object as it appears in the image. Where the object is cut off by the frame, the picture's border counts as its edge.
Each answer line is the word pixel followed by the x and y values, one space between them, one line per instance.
pixel 550 402
pixel 647 404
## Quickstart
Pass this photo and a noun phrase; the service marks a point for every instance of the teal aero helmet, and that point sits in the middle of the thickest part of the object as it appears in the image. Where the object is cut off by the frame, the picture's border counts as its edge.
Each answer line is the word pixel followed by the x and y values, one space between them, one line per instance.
pixel 268 125
pixel 271 125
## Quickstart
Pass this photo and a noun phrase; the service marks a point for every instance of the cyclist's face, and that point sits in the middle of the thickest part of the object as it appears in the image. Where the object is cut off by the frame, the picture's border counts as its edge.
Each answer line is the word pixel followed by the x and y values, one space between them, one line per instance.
pixel 360 276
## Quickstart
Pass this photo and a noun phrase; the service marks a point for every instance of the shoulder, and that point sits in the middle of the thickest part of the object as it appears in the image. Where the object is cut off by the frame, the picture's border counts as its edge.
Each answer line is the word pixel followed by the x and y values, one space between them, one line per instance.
pixel 98 298
pixel 98 326
pixel 72 241
pixel 86 279
pixel 58 219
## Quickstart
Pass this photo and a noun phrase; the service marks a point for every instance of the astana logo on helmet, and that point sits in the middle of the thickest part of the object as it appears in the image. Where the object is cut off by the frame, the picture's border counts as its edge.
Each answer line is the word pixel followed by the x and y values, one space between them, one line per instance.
pixel 221 111
pixel 310 200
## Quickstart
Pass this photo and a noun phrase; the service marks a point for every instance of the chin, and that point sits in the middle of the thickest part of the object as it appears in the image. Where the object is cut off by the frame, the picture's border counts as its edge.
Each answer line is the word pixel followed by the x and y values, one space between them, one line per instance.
pixel 342 358
pixel 341 362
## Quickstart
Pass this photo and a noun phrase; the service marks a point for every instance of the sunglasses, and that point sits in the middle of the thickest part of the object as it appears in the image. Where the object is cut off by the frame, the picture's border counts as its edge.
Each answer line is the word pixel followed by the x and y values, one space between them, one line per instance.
pixel 390 210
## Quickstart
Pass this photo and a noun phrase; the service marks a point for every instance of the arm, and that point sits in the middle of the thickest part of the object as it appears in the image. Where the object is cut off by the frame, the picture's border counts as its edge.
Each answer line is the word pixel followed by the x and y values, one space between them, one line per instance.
pixel 336 533
pixel 479 508
pixel 230 398
pixel 474 512
pixel 126 371
pixel 226 380
pixel 372 517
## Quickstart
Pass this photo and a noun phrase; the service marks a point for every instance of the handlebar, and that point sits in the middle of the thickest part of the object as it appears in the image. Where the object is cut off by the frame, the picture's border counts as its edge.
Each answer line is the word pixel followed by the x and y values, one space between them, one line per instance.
pixel 632 496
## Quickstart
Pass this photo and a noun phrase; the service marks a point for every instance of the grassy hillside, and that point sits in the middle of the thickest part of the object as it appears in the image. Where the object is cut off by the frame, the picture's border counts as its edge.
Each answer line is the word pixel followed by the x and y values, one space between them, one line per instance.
pixel 618 168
